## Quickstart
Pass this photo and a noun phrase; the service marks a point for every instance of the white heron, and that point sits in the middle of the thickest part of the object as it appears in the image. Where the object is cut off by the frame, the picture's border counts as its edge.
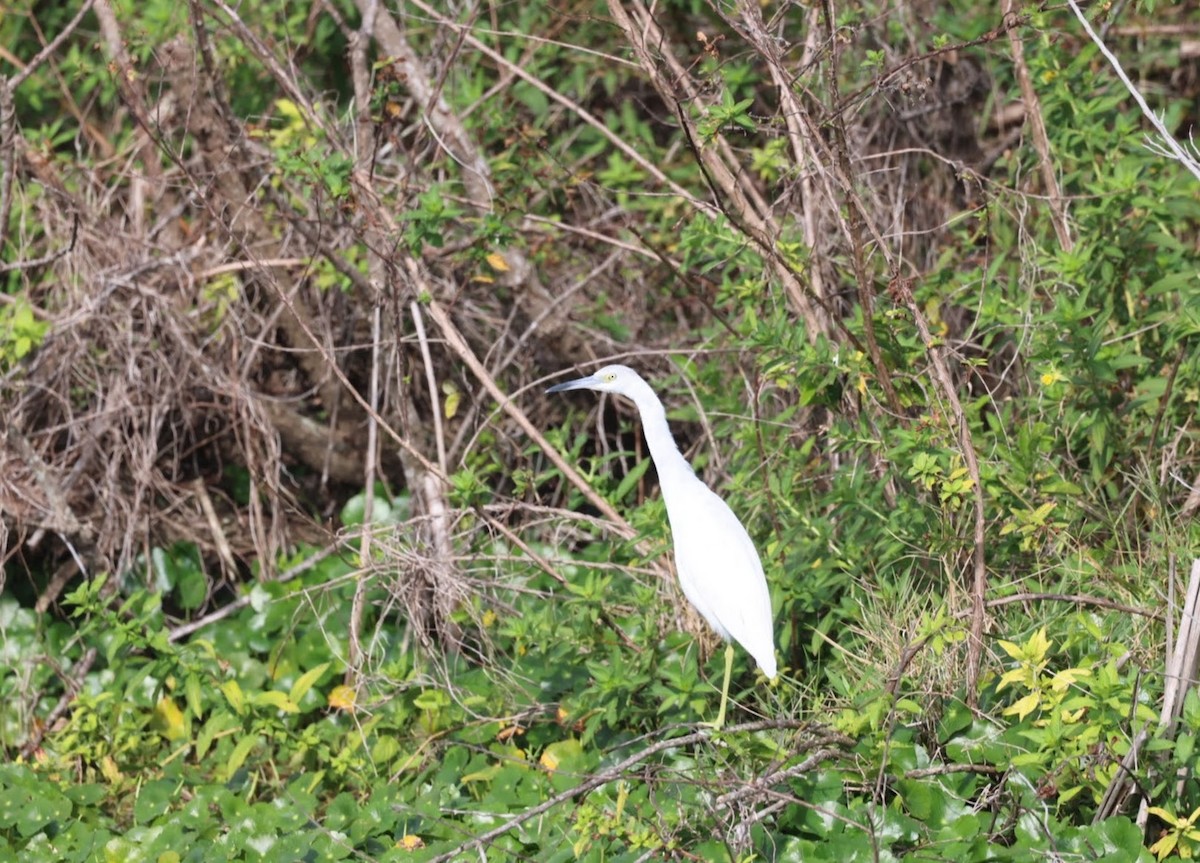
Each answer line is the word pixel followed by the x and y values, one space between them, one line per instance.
pixel 719 568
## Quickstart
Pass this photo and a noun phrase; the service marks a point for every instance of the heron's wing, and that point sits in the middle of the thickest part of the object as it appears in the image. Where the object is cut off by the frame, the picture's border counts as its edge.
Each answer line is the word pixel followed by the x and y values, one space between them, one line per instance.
pixel 720 571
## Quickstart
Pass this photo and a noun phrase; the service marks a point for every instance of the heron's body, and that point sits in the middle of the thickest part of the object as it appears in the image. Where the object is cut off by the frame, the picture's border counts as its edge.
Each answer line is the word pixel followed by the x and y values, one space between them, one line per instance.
pixel 719 568
pixel 717 579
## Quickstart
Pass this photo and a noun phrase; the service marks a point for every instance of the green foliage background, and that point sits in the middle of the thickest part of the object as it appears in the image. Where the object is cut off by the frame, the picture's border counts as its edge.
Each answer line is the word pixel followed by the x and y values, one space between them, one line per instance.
pixel 501 675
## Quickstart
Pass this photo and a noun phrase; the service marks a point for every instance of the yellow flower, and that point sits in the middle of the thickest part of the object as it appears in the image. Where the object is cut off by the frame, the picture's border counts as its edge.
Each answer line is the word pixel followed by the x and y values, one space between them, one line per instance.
pixel 1050 378
pixel 409 842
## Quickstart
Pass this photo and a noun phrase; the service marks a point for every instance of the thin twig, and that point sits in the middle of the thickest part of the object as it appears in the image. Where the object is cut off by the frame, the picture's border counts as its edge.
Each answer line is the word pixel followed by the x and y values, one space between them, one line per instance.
pixel 459 346
pixel 902 290
pixel 1077 598
pixel 592 120
pixel 431 382
pixel 947 769
pixel 1037 127
pixel 855 220
pixel 603 777
pixel 8 117
pixel 1174 147
pixel 738 201
pixel 358 603
pixel 74 684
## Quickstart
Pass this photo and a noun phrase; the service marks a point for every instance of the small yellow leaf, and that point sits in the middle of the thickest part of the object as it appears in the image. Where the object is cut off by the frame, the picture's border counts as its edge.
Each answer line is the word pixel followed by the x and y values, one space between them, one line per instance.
pixel 559 752
pixel 453 399
pixel 168 719
pixel 1039 645
pixel 498 263
pixel 622 796
pixel 342 698
pixel 1066 678
pixel 1164 846
pixel 233 694
pixel 1011 649
pixel 1039 514
pixel 1169 817
pixel 110 770
pixel 1024 706
pixel 287 108
pixel 1017 675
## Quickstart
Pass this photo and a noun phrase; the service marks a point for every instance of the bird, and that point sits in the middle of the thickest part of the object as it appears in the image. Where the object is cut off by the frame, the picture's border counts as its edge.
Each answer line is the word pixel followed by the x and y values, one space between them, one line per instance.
pixel 718 565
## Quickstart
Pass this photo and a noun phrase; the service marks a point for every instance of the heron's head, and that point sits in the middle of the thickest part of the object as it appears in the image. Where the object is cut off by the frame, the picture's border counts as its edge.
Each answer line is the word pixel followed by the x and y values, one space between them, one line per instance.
pixel 610 379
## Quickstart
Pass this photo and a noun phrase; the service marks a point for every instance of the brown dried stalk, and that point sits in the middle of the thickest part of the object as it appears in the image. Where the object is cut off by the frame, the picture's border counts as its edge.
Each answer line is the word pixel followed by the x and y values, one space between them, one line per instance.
pixel 1037 128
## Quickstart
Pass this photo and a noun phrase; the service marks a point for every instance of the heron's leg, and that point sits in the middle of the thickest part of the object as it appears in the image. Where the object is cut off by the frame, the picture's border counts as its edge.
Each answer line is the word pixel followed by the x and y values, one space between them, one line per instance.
pixel 720 721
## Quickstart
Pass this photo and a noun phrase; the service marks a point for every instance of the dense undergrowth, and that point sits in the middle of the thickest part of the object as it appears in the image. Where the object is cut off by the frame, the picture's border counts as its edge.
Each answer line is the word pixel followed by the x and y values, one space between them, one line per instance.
pixel 935 342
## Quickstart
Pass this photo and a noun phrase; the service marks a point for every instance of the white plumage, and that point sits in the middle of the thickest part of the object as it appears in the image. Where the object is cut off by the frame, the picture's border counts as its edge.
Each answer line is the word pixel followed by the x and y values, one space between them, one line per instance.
pixel 719 568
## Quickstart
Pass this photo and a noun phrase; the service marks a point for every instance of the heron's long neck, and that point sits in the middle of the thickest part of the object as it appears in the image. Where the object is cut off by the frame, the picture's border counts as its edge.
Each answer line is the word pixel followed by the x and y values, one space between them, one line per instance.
pixel 673 469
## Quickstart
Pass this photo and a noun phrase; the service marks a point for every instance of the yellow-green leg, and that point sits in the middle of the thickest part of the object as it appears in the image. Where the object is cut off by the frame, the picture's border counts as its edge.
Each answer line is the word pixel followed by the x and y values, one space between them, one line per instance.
pixel 720 721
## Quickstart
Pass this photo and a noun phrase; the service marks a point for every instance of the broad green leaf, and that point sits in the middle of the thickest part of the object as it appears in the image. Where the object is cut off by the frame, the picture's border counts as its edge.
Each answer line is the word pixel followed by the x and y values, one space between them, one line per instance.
pixel 301 687
pixel 275 698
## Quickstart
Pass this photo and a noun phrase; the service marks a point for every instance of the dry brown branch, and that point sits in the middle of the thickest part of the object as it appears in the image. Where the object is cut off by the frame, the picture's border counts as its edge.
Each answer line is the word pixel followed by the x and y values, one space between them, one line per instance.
pixel 8 131
pixel 457 344
pixel 447 128
pixel 902 289
pixel 1077 598
pixel 1037 129
pixel 74 682
pixel 363 156
pixel 949 769
pixel 537 302
pixel 733 196
pixel 129 85
pixel 622 767
pixel 358 603
pixel 1182 666
pixel 224 550
pixel 831 746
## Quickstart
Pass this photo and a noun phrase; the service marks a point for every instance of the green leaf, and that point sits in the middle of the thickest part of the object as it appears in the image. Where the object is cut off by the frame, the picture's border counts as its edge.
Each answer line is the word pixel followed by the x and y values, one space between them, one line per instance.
pixel 301 687
pixel 194 696
pixel 239 755
pixel 192 587
pixel 154 799
pixel 233 694
pixel 631 479
pixel 1185 748
pixel 216 725
pixel 275 698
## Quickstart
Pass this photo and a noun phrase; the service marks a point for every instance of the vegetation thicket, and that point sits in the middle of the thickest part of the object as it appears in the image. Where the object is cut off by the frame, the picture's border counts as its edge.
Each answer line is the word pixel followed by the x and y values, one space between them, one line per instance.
pixel 301 564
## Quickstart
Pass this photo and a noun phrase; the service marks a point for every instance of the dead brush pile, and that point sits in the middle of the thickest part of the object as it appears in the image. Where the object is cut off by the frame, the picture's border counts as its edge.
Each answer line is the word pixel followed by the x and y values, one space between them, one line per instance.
pixel 269 283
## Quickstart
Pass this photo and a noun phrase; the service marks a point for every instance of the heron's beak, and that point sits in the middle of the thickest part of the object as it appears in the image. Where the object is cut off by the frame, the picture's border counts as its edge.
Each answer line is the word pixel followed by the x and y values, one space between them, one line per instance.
pixel 579 384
